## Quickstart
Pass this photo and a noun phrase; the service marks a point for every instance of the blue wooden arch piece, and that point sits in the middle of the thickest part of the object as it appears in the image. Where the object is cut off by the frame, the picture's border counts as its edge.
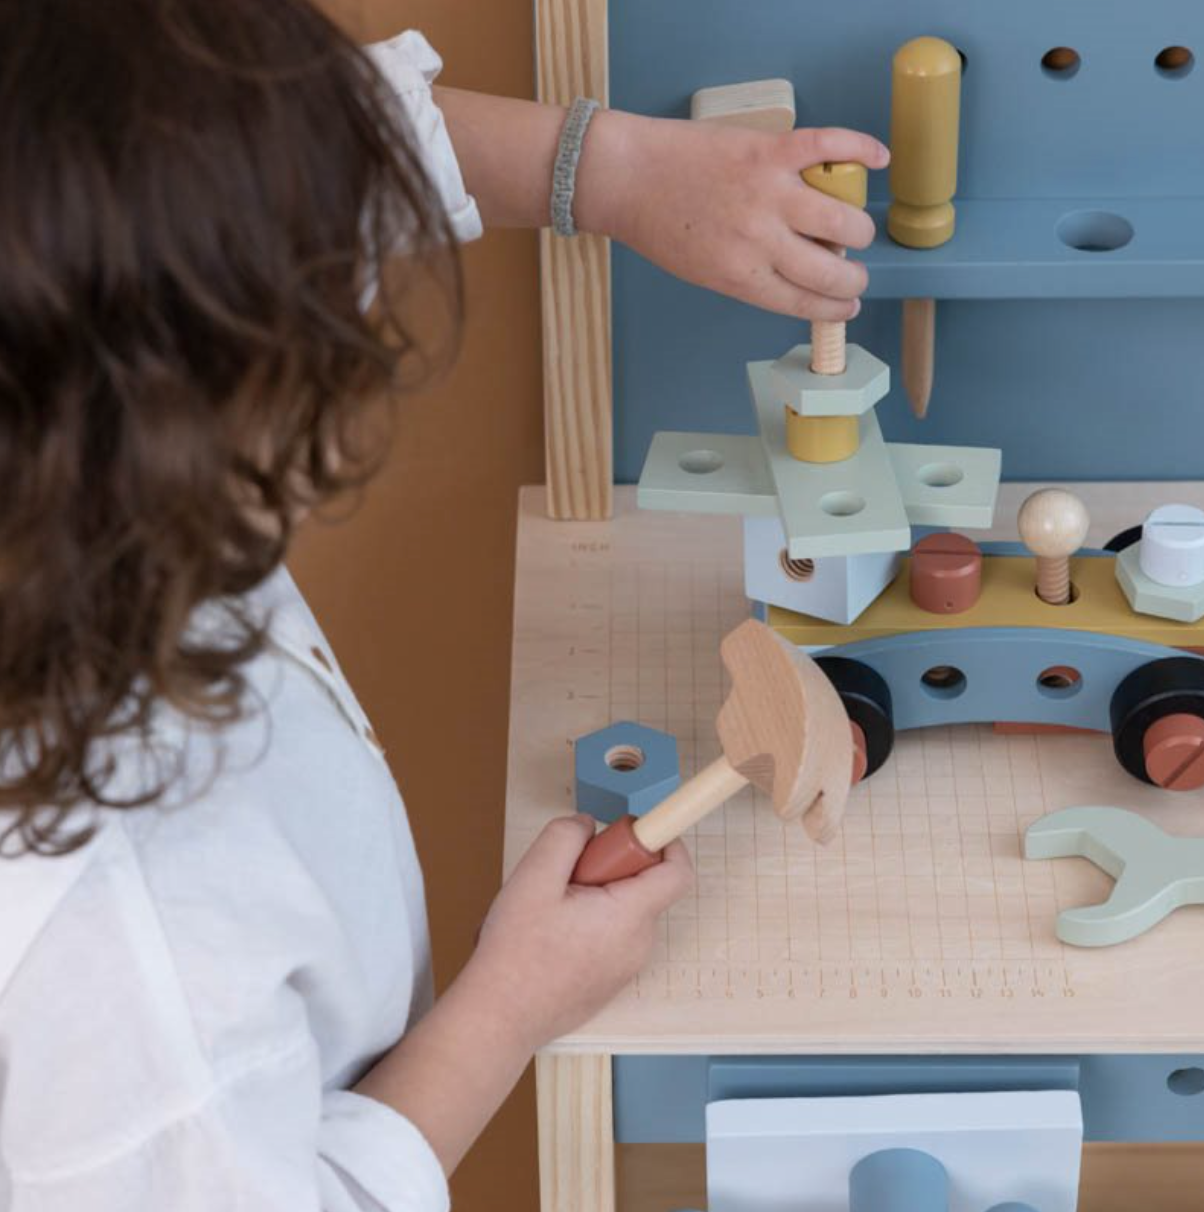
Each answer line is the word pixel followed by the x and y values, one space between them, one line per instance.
pixel 981 675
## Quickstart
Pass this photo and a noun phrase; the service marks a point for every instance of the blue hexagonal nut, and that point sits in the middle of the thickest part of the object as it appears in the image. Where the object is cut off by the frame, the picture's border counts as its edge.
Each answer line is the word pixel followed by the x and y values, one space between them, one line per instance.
pixel 624 769
pixel 865 381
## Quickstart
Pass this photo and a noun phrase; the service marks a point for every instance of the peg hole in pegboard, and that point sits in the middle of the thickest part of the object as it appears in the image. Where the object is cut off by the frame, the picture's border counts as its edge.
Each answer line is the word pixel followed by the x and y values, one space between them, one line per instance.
pixel 1186 1082
pixel 796 570
pixel 700 462
pixel 1174 62
pixel 1061 62
pixel 944 682
pixel 1094 230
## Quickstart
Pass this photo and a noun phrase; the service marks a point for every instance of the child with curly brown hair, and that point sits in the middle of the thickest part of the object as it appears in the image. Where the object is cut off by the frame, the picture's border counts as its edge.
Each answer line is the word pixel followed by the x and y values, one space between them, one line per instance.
pixel 227 237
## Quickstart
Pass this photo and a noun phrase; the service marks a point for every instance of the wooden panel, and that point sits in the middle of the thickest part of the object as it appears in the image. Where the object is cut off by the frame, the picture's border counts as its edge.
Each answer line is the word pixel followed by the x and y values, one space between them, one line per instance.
pixel 1116 1178
pixel 397 585
pixel 576 1133
pixel 575 281
pixel 920 928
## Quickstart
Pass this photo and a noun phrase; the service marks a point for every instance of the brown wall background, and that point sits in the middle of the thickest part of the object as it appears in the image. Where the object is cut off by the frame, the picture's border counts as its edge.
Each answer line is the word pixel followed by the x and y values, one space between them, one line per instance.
pixel 415 590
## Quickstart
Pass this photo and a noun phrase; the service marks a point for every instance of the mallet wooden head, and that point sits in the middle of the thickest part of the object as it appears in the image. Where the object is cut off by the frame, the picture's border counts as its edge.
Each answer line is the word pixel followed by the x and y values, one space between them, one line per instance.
pixel 783 728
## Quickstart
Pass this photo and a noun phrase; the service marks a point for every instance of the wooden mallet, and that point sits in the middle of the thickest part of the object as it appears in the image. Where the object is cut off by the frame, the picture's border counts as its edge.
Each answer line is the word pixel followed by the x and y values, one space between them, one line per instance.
pixel 783 729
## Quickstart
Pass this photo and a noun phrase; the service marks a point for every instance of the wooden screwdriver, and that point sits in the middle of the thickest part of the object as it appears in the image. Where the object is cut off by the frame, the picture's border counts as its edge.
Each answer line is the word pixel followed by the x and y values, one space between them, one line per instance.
pixel 924 118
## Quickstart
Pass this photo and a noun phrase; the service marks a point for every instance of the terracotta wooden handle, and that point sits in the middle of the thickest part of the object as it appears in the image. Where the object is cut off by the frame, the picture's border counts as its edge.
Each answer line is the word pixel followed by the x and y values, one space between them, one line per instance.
pixel 630 846
pixel 614 854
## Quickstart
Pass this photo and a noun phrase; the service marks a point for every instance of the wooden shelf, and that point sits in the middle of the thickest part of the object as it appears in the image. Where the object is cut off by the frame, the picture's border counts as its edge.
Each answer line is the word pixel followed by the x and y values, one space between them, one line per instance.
pixel 1011 249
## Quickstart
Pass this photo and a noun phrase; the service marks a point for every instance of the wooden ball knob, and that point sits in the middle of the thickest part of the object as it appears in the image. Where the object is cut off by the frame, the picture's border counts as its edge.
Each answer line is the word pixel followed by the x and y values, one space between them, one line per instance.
pixel 1053 523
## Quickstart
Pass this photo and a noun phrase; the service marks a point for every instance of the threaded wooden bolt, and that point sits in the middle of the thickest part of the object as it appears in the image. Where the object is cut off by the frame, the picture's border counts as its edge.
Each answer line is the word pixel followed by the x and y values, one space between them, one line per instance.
pixel 1053 525
pixel 828 439
pixel 848 182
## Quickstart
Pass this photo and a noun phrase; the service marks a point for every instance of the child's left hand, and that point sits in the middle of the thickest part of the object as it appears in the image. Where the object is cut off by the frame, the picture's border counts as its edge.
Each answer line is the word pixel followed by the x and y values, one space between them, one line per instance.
pixel 725 207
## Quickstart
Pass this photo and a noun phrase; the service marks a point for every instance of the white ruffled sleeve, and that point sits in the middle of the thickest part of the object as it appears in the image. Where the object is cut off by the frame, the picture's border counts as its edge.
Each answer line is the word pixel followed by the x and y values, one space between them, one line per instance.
pixel 410 64
pixel 376 1158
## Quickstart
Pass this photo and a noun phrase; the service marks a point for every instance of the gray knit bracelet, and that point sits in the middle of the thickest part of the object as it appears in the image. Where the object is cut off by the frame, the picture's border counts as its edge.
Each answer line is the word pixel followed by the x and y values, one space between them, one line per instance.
pixel 564 172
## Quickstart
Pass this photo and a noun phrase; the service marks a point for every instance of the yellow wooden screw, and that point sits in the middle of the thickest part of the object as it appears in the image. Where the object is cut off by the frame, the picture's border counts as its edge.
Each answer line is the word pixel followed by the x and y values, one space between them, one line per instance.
pixel 828 439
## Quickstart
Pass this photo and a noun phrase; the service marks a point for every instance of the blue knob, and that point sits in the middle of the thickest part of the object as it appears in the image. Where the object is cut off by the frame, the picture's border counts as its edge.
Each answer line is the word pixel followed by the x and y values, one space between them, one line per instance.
pixel 898 1180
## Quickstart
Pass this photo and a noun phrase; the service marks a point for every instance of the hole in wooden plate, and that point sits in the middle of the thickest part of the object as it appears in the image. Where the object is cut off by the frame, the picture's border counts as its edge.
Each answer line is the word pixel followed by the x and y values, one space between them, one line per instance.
pixel 841 504
pixel 700 462
pixel 944 681
pixel 941 475
pixel 1059 681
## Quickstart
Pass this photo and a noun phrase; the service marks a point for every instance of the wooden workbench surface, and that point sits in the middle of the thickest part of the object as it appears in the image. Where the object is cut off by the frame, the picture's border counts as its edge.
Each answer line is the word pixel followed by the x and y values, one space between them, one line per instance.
pixel 920 928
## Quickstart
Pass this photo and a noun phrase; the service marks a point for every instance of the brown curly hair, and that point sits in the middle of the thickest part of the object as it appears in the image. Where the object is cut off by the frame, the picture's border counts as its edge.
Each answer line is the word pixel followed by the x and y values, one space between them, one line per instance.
pixel 193 198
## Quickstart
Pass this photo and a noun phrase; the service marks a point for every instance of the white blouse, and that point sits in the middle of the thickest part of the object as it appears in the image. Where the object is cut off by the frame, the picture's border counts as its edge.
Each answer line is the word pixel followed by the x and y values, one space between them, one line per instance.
pixel 185 1001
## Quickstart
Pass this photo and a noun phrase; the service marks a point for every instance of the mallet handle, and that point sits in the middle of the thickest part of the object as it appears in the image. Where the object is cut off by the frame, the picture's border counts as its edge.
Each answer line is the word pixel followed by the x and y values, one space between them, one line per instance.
pixel 630 846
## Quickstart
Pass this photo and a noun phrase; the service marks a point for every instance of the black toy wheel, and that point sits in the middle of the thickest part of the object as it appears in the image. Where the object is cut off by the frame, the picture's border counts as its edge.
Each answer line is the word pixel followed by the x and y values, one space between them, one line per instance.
pixel 866 698
pixel 1171 686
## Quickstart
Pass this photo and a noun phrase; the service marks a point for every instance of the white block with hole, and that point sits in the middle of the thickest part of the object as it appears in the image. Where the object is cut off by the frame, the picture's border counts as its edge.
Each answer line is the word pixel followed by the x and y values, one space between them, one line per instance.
pixel 954 486
pixel 788 1154
pixel 835 588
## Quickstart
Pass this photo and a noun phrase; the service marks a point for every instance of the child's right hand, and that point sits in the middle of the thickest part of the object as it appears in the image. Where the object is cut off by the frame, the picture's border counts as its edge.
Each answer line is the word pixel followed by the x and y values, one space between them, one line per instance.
pixel 552 953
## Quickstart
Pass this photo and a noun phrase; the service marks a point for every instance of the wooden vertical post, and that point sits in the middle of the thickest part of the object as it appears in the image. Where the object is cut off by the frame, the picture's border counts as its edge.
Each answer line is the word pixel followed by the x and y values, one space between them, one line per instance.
pixel 571 40
pixel 576 1133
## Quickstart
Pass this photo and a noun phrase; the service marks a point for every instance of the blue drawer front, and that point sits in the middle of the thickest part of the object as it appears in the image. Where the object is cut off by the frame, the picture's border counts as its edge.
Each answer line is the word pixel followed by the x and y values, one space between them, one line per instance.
pixel 662 1099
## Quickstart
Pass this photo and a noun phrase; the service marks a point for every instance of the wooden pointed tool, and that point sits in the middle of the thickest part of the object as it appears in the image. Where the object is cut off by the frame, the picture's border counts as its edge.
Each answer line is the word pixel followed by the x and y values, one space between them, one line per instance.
pixel 783 729
pixel 924 120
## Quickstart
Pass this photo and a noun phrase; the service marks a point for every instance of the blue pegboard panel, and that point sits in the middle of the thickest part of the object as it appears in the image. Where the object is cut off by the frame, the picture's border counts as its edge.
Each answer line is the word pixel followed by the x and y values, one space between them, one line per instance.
pixel 1079 364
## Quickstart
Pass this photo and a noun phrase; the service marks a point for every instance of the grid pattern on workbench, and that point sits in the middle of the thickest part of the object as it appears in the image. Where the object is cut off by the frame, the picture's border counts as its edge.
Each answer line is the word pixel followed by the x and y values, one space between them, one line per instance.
pixel 927 865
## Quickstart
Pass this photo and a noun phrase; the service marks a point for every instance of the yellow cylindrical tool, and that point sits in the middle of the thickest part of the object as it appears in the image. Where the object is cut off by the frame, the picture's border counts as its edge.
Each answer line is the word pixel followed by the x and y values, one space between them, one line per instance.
pixel 924 120
pixel 828 439
pixel 924 115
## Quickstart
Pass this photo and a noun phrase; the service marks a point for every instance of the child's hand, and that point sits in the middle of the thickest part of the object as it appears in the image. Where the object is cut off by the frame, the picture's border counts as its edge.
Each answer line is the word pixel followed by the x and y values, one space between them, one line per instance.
pixel 725 207
pixel 551 953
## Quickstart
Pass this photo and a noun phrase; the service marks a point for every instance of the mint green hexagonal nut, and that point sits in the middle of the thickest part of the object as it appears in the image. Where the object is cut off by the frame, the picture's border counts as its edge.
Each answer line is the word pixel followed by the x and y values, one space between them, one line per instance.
pixel 624 769
pixel 1182 603
pixel 865 381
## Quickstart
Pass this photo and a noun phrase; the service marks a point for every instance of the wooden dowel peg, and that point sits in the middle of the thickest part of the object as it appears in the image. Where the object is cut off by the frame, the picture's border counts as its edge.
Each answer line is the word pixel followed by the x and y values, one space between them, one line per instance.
pixel 918 352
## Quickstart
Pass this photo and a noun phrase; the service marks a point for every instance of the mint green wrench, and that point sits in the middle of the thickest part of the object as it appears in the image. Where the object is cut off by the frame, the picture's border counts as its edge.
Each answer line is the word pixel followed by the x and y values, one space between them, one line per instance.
pixel 1155 873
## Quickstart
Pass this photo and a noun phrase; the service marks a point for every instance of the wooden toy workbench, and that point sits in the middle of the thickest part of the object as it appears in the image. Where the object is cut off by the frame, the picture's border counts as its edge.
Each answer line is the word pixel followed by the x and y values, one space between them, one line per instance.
pixel 919 930
pixel 1071 299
